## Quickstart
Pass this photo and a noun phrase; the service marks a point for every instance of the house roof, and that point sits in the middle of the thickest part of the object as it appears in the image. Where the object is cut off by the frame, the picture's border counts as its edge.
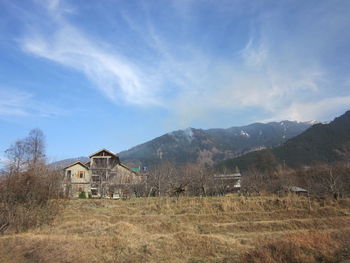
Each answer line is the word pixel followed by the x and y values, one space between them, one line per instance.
pixel 103 150
pixel 72 164
pixel 228 176
pixel 123 165
pixel 297 189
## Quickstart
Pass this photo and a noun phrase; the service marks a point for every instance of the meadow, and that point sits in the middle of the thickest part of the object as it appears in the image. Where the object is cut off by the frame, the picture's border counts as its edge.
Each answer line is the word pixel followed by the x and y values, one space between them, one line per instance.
pixel 188 229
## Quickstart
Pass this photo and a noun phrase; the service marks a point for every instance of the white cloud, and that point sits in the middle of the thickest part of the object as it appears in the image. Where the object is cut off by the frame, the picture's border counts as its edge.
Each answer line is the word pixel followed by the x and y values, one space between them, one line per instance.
pixel 3 162
pixel 254 54
pixel 225 85
pixel 322 110
pixel 24 104
pixel 12 103
pixel 275 72
pixel 115 76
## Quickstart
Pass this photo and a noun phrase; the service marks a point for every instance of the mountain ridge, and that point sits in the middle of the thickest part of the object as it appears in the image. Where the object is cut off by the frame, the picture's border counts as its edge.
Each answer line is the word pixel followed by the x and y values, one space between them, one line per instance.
pixel 321 143
pixel 207 146
pixel 212 145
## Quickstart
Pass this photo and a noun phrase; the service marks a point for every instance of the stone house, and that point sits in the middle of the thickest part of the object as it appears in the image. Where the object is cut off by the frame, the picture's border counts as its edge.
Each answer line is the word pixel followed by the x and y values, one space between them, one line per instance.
pixel 77 179
pixel 103 176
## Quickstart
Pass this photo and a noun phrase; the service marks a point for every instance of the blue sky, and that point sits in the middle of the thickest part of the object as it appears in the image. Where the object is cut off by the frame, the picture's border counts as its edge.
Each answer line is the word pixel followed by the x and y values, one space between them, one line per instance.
pixel 114 74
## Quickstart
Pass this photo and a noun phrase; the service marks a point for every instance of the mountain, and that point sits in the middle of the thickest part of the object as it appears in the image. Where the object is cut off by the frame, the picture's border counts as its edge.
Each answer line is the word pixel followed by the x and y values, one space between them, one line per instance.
pixel 213 145
pixel 324 143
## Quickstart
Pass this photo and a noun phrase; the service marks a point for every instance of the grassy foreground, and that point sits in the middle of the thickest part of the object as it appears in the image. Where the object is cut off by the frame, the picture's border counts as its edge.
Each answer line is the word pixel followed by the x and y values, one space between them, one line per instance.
pixel 188 229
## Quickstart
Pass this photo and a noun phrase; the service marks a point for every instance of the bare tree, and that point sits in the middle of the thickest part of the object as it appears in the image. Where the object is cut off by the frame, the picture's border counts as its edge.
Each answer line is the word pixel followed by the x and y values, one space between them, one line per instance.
pixel 35 143
pixel 157 181
pixel 200 179
pixel 140 189
pixel 167 179
pixel 28 152
pixel 325 179
pixel 16 155
pixel 253 182
pixel 331 179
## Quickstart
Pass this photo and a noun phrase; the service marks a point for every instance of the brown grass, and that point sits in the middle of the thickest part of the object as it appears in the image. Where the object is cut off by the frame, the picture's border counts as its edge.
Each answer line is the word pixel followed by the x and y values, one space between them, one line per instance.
pixel 306 247
pixel 225 229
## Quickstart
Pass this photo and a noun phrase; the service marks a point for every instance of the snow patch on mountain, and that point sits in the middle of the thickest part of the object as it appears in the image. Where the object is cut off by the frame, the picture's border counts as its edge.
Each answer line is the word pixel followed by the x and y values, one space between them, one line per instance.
pixel 186 134
pixel 312 122
pixel 244 133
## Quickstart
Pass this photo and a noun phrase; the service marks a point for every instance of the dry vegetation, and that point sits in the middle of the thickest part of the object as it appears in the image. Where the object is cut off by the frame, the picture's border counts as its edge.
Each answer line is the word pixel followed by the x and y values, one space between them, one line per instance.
pixel 36 227
pixel 30 191
pixel 188 229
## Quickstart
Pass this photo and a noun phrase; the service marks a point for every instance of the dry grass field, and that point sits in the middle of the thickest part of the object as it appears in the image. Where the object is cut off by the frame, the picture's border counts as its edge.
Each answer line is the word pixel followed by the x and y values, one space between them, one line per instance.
pixel 220 229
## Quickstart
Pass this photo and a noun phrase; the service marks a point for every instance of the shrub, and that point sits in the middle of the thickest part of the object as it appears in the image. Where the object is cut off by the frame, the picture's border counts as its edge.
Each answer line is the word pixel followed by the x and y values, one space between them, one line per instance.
pixel 29 198
pixel 82 195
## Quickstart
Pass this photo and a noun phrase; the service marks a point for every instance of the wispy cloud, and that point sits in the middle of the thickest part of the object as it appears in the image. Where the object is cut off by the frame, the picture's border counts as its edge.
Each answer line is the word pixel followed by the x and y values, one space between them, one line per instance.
pixel 322 110
pixel 14 103
pixel 273 70
pixel 3 162
pixel 114 75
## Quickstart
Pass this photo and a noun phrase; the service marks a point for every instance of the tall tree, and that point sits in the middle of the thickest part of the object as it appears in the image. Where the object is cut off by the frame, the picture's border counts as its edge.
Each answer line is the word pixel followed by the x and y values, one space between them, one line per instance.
pixel 35 143
pixel 16 156
pixel 28 152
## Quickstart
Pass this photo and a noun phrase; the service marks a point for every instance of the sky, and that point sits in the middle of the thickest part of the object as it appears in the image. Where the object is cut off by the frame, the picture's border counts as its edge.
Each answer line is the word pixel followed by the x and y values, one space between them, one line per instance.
pixel 117 73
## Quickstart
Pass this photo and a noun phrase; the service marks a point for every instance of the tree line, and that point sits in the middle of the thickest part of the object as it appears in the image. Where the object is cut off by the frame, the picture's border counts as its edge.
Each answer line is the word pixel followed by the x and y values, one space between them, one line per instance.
pixel 318 180
pixel 167 179
pixel 30 189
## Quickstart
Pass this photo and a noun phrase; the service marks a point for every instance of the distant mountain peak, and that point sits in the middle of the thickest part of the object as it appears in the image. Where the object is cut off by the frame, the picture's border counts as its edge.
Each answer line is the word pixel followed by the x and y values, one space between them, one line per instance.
pixel 185 134
pixel 213 145
pixel 312 122
pixel 321 143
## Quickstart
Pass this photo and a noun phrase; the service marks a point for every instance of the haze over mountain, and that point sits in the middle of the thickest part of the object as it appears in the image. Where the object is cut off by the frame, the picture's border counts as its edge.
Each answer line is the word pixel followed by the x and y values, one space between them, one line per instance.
pixel 212 145
pixel 321 143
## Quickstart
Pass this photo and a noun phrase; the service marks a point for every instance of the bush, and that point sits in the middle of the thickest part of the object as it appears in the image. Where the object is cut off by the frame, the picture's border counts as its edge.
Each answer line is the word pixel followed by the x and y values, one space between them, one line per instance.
pixel 82 195
pixel 29 199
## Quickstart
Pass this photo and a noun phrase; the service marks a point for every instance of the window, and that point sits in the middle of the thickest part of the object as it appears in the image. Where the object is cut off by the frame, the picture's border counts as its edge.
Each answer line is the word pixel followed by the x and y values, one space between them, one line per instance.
pixel 100 162
pixel 69 173
pixel 81 174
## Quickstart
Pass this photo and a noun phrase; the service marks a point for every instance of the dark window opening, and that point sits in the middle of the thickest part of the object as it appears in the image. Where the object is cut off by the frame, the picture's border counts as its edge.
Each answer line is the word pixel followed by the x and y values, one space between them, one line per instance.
pixel 100 162
pixel 95 178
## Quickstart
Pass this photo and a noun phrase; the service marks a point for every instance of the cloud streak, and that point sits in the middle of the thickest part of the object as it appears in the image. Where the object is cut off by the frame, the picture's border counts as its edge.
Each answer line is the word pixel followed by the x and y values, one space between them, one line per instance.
pixel 115 76
pixel 14 103
pixel 321 110
pixel 281 74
